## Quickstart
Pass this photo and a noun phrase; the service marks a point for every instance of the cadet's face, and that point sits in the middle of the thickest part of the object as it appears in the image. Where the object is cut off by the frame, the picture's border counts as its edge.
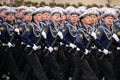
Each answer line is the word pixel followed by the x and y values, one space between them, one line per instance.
pixel 74 18
pixel 11 17
pixel 63 18
pixel 86 20
pixel 99 17
pixel 3 13
pixel 56 17
pixel 93 19
pixel 28 17
pixel 108 20
pixel 38 17
pixel 21 13
pixel 68 16
pixel 17 15
pixel 46 16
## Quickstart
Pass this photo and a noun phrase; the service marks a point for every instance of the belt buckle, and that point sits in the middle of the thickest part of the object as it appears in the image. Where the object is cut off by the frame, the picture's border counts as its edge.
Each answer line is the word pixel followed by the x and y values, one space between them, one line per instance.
pixel 67 45
pixel 22 43
pixel 3 44
pixel 39 47
pixel 28 46
pixel 56 48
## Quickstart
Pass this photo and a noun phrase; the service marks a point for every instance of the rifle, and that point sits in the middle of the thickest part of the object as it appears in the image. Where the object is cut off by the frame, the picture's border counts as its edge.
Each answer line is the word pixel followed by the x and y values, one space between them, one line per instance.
pixel 11 39
pixel 107 48
pixel 88 44
pixel 36 44
pixel 53 43
pixel 86 47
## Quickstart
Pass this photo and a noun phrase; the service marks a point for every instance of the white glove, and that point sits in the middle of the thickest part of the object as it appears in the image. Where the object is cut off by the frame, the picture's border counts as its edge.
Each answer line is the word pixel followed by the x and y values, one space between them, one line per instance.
pixel 93 34
pixel 105 51
pixel 35 47
pixel 50 49
pixel 44 34
pixel 60 35
pixel 72 45
pixel 78 49
pixel 61 43
pixel 115 37
pixel 17 30
pixel 86 52
pixel 9 44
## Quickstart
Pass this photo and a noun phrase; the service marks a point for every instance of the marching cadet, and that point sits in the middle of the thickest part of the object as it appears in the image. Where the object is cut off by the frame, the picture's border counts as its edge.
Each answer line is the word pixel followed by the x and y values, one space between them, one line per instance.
pixel 103 41
pixel 54 36
pixel 83 70
pixel 18 21
pixel 20 60
pixel 46 14
pixel 62 59
pixel 69 39
pixel 93 13
pixel 9 31
pixel 32 37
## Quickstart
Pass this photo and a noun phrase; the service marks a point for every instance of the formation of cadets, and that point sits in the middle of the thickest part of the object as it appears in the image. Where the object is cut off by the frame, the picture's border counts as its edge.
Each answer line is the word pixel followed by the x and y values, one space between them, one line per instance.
pixel 59 44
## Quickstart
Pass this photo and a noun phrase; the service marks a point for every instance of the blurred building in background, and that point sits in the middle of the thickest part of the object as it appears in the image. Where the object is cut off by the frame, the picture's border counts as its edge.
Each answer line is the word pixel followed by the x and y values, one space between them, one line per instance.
pixel 85 2
pixel 11 1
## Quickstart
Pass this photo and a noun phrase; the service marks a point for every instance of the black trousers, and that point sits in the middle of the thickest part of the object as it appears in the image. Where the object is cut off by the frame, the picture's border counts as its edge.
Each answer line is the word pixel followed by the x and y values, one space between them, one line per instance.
pixel 61 58
pixel 107 68
pixel 116 63
pixel 92 59
pixel 70 63
pixel 11 65
pixel 34 67
pixel 20 57
pixel 52 67
pixel 2 60
pixel 83 70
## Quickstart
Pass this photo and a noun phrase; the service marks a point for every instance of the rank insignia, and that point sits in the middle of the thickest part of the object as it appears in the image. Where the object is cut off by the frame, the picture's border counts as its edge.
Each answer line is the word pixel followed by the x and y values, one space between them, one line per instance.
pixel 118 33
pixel 81 35
pixel 1 28
pixel 16 26
pixel 98 32
pixel 20 28
pixel 63 30
pixel 27 29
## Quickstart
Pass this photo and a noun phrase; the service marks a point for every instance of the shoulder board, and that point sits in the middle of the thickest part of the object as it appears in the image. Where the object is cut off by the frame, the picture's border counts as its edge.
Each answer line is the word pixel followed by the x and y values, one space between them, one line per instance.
pixel 85 33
